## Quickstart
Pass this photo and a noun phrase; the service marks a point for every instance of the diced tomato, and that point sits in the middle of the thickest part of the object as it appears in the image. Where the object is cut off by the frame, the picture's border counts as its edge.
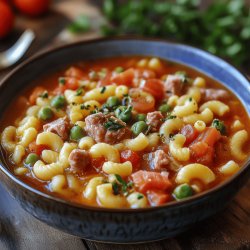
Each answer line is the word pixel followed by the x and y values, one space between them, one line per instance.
pixel 146 180
pixel 37 149
pixel 36 92
pixel 202 153
pixel 210 136
pixel 124 78
pixel 70 83
pixel 142 102
pixel 97 163
pixel 129 155
pixel 75 72
pixel 190 133
pixel 154 87
pixel 157 197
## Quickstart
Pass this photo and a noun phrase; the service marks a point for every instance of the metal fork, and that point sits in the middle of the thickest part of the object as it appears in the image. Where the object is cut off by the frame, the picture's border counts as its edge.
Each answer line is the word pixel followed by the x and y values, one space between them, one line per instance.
pixel 16 52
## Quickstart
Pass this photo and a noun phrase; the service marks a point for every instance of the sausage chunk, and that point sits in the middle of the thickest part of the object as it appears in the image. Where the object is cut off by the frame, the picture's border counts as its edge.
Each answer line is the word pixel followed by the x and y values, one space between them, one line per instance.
pixel 154 120
pixel 79 161
pixel 214 94
pixel 95 127
pixel 174 85
pixel 158 160
pixel 60 126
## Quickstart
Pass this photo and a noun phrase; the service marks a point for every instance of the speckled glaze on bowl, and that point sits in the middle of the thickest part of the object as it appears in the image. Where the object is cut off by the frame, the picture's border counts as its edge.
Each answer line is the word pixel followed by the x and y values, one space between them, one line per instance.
pixel 124 225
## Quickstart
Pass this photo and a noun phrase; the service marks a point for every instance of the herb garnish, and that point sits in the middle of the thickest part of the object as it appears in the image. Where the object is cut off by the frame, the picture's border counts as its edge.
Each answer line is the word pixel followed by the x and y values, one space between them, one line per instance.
pixel 113 125
pixel 121 186
pixel 61 80
pixel 103 89
pixel 79 91
pixel 140 196
pixel 44 94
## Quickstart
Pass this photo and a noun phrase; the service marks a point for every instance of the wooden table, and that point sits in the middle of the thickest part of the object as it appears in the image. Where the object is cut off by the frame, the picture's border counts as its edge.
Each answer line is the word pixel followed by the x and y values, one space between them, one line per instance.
pixel 230 229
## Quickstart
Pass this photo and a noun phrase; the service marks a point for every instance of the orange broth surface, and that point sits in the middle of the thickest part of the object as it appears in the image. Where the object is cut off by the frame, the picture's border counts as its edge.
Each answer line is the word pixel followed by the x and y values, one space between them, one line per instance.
pixel 221 149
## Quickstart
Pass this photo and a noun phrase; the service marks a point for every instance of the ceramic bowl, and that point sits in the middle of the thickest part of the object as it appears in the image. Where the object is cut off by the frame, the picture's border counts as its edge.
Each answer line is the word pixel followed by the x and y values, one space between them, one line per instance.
pixel 123 225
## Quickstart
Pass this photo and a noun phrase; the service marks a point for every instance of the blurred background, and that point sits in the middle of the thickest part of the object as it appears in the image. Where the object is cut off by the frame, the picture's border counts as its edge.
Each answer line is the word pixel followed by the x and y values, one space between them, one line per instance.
pixel 221 27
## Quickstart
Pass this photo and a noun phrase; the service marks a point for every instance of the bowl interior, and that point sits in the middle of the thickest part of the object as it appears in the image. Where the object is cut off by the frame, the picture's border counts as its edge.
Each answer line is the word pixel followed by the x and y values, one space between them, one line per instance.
pixel 52 60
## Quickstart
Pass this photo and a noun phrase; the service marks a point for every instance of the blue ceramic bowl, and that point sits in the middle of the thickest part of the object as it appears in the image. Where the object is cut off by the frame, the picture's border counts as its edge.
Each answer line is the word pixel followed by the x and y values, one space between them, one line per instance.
pixel 123 225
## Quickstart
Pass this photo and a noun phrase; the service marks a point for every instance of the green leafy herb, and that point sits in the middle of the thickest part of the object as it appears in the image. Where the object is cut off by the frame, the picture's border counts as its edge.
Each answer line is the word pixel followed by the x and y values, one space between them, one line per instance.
pixel 124 186
pixel 80 25
pixel 103 89
pixel 86 107
pixel 113 125
pixel 139 196
pixel 170 117
pixel 116 188
pixel 79 91
pixel 222 28
pixel 62 80
pixel 220 126
pixel 183 75
pixel 44 94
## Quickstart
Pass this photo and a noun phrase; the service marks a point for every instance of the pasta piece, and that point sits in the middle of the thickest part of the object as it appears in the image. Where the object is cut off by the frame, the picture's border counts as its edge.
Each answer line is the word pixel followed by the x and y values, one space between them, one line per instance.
pixel 153 140
pixel 72 97
pixel 108 199
pixel 21 171
pixel 199 82
pixel 49 156
pixel 86 143
pixel 109 152
pixel 59 185
pixel 217 107
pixel 195 93
pixel 200 125
pixel 29 136
pixel 195 171
pixel 100 94
pixel 176 148
pixel 236 145
pixel 51 140
pixel 122 169
pixel 237 125
pixel 169 127
pixel 8 139
pixel 155 64
pixel 73 183
pixel 137 200
pixel 172 100
pixel 40 101
pixel 121 91
pixel 65 152
pixel 28 122
pixel 206 116
pixel 230 168
pixel 138 143
pixel 18 154
pixel 188 108
pixel 90 190
pixel 33 110
pixel 47 172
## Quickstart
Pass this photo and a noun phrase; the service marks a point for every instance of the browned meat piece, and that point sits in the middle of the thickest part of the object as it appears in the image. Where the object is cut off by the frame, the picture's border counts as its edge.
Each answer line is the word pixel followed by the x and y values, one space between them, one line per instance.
pixel 214 94
pixel 158 160
pixel 154 120
pixel 95 127
pixel 173 85
pixel 60 126
pixel 79 161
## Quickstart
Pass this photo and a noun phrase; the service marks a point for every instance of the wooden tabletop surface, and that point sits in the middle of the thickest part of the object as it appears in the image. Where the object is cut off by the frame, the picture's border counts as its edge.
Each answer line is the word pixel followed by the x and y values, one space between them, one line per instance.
pixel 229 229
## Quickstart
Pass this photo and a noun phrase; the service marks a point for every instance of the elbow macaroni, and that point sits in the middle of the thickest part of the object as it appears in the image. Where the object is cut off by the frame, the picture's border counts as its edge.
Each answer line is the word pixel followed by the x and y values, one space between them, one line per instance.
pixel 206 116
pixel 109 152
pixel 217 107
pixel 122 169
pixel 236 144
pixel 138 143
pixel 8 139
pixel 177 150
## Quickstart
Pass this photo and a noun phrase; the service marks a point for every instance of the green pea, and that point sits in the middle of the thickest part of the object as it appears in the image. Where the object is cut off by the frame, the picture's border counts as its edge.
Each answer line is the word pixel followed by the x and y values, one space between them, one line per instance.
pixel 119 69
pixel 141 117
pixel 139 127
pixel 183 191
pixel 124 113
pixel 113 101
pixel 76 133
pixel 58 101
pixel 45 113
pixel 31 159
pixel 164 108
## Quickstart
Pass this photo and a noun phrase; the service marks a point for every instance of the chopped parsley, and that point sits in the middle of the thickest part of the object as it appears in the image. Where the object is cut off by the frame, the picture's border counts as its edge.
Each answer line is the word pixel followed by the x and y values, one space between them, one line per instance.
pixel 116 188
pixel 86 107
pixel 44 94
pixel 79 91
pixel 113 125
pixel 62 80
pixel 103 89
pixel 220 126
pixel 183 75
pixel 170 117
pixel 139 196
pixel 121 186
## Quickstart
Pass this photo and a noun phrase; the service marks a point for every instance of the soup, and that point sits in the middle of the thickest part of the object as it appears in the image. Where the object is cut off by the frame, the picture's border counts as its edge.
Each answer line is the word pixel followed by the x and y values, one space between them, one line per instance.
pixel 127 132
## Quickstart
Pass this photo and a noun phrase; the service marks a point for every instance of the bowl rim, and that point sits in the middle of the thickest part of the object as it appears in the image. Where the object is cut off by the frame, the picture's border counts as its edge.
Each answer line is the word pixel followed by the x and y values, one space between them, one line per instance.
pixel 190 200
